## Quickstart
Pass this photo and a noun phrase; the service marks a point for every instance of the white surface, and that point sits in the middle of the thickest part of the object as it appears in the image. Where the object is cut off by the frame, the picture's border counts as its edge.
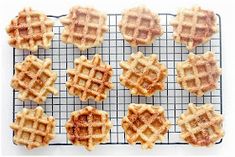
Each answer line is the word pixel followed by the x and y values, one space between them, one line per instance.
pixel 10 9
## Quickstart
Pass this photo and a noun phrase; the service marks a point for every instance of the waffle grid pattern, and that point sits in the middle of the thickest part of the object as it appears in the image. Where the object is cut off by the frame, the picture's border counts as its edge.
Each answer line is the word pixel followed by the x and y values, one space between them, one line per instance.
pixel 114 50
pixel 146 124
pixel 30 30
pixel 200 123
pixel 90 78
pixel 143 75
pixel 33 128
pixel 199 74
pixel 88 127
pixel 87 30
pixel 34 79
pixel 194 26
pixel 140 26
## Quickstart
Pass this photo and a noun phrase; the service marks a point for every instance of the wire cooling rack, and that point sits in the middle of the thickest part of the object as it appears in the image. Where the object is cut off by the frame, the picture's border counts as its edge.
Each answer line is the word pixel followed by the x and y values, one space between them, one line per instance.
pixel 113 50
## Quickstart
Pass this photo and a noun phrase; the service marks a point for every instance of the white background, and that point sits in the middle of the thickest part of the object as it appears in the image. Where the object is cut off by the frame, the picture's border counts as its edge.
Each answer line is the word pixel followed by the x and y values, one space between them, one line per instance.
pixel 10 8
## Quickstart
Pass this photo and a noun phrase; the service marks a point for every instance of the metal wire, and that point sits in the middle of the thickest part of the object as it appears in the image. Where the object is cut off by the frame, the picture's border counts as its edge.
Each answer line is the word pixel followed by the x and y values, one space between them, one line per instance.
pixel 113 50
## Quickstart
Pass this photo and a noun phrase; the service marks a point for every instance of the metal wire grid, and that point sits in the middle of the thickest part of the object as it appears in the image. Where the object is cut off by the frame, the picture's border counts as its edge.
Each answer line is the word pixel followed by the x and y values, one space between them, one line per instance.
pixel 113 50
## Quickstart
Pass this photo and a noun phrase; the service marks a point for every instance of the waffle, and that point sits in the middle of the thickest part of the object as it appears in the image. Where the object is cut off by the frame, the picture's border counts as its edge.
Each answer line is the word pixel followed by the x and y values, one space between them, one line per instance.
pixel 84 27
pixel 140 26
pixel 193 27
pixel 201 126
pixel 33 128
pixel 90 79
pixel 143 75
pixel 199 73
pixel 88 127
pixel 29 30
pixel 145 124
pixel 34 79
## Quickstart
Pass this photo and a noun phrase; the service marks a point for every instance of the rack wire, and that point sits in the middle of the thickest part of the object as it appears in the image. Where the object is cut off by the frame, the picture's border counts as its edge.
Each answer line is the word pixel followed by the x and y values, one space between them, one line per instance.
pixel 113 50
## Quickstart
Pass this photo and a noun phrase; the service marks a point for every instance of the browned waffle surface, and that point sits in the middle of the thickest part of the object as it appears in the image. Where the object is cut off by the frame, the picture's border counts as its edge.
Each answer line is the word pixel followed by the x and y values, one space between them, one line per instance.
pixel 33 128
pixel 143 75
pixel 88 127
pixel 193 27
pixel 34 79
pixel 199 73
pixel 201 126
pixel 146 124
pixel 140 26
pixel 29 30
pixel 84 27
pixel 90 79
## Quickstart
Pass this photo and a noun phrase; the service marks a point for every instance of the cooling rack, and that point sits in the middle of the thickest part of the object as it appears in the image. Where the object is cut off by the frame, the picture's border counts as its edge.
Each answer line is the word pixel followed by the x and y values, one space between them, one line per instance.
pixel 113 50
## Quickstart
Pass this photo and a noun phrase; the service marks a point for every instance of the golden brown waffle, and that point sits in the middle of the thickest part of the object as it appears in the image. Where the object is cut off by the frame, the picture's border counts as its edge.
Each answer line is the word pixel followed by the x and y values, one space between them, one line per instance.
pixel 140 26
pixel 201 126
pixel 143 75
pixel 34 79
pixel 29 30
pixel 90 79
pixel 33 128
pixel 199 73
pixel 194 26
pixel 84 27
pixel 145 124
pixel 88 127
